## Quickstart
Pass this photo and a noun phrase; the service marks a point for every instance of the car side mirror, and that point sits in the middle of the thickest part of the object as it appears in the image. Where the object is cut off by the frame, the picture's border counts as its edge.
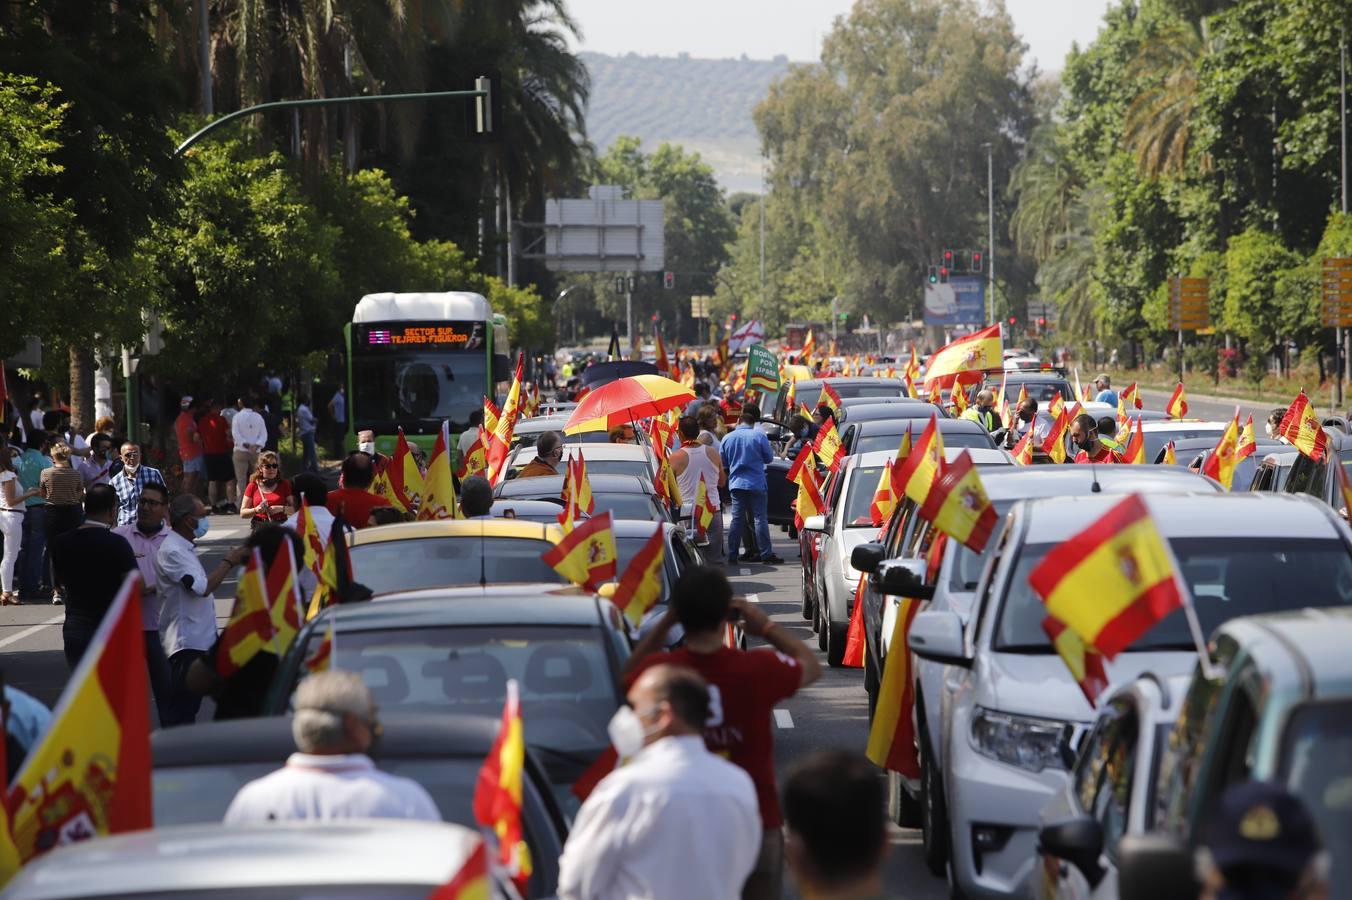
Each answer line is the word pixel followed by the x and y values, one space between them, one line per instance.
pixel 1069 746
pixel 1079 841
pixel 902 578
pixel 936 635
pixel 1155 866
pixel 865 557
pixel 814 523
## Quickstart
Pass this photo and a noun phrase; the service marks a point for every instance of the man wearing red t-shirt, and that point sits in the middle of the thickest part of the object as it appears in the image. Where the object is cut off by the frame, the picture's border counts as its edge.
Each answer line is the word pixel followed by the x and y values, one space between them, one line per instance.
pixel 744 687
pixel 220 471
pixel 354 500
pixel 1084 433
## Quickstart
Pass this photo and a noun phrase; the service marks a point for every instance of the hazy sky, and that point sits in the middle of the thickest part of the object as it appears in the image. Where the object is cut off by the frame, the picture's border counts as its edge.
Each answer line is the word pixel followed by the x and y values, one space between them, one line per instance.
pixel 763 29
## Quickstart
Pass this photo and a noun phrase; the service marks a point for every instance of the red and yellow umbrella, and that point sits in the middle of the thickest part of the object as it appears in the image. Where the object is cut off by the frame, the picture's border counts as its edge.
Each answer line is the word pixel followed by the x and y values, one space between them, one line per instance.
pixel 625 401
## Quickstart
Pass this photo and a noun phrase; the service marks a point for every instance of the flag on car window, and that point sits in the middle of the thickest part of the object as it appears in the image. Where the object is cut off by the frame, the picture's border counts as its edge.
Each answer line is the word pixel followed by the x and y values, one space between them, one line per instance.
pixel 640 584
pixel 497 793
pixel 830 452
pixel 438 500
pixel 916 475
pixel 1177 407
pixel 1111 582
pixel 250 630
pixel 1301 428
pixel 586 555
pixel 957 503
pixel 1134 452
pixel 1220 464
pixel 891 738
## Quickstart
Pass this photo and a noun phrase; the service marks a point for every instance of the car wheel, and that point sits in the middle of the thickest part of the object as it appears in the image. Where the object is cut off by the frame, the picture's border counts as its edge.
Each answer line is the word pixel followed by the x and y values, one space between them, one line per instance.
pixel 835 640
pixel 807 601
pixel 820 623
pixel 933 812
pixel 901 807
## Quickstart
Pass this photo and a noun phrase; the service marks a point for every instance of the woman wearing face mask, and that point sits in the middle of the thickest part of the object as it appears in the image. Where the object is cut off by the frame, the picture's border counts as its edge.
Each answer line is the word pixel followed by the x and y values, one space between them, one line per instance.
pixel 268 496
pixel 12 499
pixel 1274 421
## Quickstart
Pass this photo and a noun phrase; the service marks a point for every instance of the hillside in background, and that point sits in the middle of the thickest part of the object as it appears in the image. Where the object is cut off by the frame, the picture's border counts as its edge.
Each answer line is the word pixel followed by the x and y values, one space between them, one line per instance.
pixel 703 104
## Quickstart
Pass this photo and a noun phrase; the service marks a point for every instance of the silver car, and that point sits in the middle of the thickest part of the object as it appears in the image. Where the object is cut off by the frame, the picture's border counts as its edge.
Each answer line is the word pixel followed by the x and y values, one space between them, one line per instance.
pixel 275 861
pixel 1008 697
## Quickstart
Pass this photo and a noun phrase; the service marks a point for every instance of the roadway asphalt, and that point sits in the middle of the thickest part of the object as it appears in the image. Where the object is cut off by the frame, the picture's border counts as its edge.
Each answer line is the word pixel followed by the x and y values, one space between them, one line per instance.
pixel 831 713
pixel 1213 409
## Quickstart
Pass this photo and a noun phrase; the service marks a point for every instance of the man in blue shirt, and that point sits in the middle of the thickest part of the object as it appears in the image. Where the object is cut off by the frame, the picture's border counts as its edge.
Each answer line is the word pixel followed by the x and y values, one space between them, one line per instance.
pixel 32 563
pixel 1105 394
pixel 746 452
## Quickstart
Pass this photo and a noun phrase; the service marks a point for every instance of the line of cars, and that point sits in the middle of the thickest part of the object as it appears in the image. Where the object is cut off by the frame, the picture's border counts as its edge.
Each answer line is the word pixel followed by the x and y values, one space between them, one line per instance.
pixel 1023 784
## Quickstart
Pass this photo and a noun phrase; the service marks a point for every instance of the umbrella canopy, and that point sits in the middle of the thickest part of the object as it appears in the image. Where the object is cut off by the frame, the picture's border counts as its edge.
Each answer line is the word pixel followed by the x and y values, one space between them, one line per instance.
pixel 627 400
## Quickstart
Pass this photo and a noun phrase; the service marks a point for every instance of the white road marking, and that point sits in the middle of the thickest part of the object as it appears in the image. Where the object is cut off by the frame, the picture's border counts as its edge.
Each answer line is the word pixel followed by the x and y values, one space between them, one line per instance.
pixel 31 630
pixel 783 719
pixel 753 598
pixel 743 571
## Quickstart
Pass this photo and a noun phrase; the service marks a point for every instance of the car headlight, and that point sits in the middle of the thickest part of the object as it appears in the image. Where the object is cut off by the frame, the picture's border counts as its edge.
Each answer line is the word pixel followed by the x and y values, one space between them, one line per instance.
pixel 1023 741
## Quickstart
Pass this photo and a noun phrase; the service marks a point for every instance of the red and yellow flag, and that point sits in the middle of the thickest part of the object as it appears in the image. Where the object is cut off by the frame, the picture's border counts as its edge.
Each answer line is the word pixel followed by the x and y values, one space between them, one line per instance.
pixel 829 397
pixel 1085 663
pixel 977 352
pixel 662 364
pixel 320 659
pixel 640 584
pixel 491 414
pixel 957 503
pixel 406 482
pixel 471 881
pixel 310 538
pixel 586 556
pixel 809 502
pixel 936 394
pixel 915 477
pixel 89 775
pixel 511 407
pixel 891 738
pixel 830 452
pixel 1055 444
pixel 577 493
pixel 664 483
pixel 804 459
pixel 1248 443
pixel 1131 396
pixel 336 573
pixel 497 793
pixel 957 395
pixel 855 638
pixel 1111 582
pixel 1300 427
pixel 250 630
pixel 1220 464
pixel 1169 458
pixel 1177 407
pixel 884 499
pixel 9 853
pixel 809 348
pixel 704 511
pixel 1344 489
pixel 1023 450
pixel 912 370
pixel 283 596
pixel 474 461
pixel 438 500
pixel 1134 451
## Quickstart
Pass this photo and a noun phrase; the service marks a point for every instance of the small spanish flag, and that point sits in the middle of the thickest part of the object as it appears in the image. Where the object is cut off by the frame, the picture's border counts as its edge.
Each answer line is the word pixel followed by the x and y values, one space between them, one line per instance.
pixel 285 603
pixel 475 458
pixel 1085 663
pixel 704 511
pixel 1055 444
pixel 830 452
pixel 829 397
pixel 809 502
pixel 661 363
pixel 9 852
pixel 640 584
pixel 250 630
pixel 1111 582
pixel 438 500
pixel 805 459
pixel 855 638
pixel 1169 458
pixel 884 500
pixel 497 794
pixel 891 738
pixel 586 555
pixel 1177 407
pixel 1023 450
pixel 406 482
pixel 957 503
pixel 1248 444
pixel 310 538
pixel 809 348
pixel 1220 465
pixel 491 414
pixel 1134 452
pixel 321 658
pixel 1132 397
pixel 917 474
pixel 470 882
pixel 1301 428
pixel 957 395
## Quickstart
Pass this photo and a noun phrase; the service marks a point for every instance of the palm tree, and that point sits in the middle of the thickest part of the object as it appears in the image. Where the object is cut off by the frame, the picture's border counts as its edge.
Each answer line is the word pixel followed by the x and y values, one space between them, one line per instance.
pixel 1046 184
pixel 1158 126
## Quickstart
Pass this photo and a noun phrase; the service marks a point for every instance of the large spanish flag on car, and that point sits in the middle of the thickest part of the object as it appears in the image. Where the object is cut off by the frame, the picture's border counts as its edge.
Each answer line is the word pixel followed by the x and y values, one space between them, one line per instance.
pixel 406 482
pixel 438 501
pixel 640 584
pixel 957 503
pixel 830 452
pixel 974 353
pixel 916 475
pixel 1111 582
pixel 497 794
pixel 1301 427
pixel 90 774
pixel 891 738
pixel 586 555
pixel 809 501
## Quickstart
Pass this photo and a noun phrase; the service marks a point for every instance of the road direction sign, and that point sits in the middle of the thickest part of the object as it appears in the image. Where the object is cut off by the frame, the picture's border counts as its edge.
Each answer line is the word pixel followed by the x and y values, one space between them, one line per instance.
pixel 1189 304
pixel 1335 308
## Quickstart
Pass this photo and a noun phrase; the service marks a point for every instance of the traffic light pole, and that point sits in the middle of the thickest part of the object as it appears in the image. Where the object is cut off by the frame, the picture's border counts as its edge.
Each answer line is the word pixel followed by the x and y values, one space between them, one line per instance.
pixel 990 233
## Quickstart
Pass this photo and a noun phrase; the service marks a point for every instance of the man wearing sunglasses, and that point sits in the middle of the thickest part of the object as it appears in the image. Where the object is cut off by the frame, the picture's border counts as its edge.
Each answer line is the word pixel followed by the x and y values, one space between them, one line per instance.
pixel 331 777
pixel 128 482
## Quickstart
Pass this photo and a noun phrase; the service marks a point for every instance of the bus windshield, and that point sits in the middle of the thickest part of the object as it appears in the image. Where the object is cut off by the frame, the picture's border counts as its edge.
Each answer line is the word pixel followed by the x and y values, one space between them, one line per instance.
pixel 416 389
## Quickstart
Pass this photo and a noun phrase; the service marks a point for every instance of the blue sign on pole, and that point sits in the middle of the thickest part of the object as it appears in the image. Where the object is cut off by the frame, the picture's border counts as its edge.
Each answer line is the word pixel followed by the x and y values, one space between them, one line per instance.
pixel 962 301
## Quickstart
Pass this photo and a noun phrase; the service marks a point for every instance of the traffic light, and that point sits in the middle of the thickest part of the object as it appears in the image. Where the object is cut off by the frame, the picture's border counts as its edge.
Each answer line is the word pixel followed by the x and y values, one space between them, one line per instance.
pixel 933 274
pixel 668 280
pixel 1012 322
pixel 976 261
pixel 943 274
pixel 1041 323
pixel 948 260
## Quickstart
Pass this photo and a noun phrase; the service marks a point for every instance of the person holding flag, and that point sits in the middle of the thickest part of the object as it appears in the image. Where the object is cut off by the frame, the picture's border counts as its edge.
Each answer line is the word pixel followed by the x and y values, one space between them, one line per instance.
pixel 331 777
pixel 691 462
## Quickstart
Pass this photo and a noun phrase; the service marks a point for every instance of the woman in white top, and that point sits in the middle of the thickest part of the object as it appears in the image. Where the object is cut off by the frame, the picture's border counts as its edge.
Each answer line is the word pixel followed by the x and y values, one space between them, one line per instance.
pixel 691 462
pixel 12 499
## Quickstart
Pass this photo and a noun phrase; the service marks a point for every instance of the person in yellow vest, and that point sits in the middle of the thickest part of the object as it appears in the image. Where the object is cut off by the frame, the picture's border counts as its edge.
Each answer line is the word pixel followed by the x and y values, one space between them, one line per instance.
pixel 1107 429
pixel 983 410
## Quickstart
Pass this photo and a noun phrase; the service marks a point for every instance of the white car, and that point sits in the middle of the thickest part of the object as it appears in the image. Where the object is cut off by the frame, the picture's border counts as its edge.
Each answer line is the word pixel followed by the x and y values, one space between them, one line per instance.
pixel 846 525
pixel 393 859
pixel 1008 697
pixel 1111 791
pixel 602 459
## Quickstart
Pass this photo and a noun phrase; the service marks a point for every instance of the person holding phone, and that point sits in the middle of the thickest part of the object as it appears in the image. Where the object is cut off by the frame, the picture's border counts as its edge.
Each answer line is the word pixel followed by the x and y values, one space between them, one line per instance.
pixel 268 497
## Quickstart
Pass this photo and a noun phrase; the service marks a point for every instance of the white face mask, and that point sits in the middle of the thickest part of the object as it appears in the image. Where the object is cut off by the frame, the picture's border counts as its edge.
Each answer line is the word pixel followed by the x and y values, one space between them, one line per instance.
pixel 626 731
pixel 1268 427
pixel 367 447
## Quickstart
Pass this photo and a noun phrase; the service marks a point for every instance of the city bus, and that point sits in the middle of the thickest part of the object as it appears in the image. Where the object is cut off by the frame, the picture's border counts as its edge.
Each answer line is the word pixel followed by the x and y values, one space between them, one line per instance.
pixel 416 360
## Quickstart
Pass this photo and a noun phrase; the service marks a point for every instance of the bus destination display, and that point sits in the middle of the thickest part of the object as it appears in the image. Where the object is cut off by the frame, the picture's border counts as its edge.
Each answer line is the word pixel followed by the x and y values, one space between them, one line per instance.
pixel 421 336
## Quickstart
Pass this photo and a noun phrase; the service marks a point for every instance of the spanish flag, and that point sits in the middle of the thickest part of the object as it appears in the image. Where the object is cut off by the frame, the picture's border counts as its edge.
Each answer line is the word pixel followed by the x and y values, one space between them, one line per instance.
pixel 1301 428
pixel 406 482
pixel 438 501
pixel 957 396
pixel 250 630
pixel 497 793
pixel 662 364
pixel 586 555
pixel 855 638
pixel 90 774
pixel 884 500
pixel 640 584
pixel 1134 452
pixel 1344 490
pixel 830 452
pixel 1023 450
pixel 809 348
pixel 283 595
pixel 912 370
pixel 310 538
pixel 474 461
pixel 1169 458
pixel 9 853
pixel 804 459
pixel 936 394
pixel 1177 407
pixel 1130 395
pixel 491 414
pixel 664 483
pixel 957 503
pixel 891 738
pixel 1248 444
pixel 336 574
pixel 511 407
pixel 1085 663
pixel 321 658
pixel 1220 465
pixel 470 882
pixel 977 352
pixel 704 511
pixel 1055 444
pixel 809 502
pixel 828 397
pixel 577 493
pixel 916 475
pixel 1111 582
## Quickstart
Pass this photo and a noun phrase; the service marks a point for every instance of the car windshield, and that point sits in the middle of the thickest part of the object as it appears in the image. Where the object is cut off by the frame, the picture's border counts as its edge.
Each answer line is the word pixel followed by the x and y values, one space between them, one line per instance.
pixel 863 485
pixel 626 547
pixel 625 506
pixel 417 390
pixel 890 440
pixel 529 438
pixel 413 563
pixel 1317 765
pixel 968 564
pixel 847 391
pixel 1155 440
pixel 1228 577
pixel 638 467
pixel 568 691
pixel 1041 391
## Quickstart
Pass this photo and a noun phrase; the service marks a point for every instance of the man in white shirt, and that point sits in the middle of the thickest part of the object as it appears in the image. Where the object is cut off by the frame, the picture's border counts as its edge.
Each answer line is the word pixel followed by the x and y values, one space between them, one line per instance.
pixel 331 777
pixel 146 535
pixel 250 434
pixel 187 606
pixel 676 821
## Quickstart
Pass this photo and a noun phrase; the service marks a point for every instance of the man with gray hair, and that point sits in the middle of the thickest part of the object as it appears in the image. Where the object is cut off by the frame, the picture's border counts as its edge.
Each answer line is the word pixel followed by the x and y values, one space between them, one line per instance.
pixel 548 455
pixel 331 777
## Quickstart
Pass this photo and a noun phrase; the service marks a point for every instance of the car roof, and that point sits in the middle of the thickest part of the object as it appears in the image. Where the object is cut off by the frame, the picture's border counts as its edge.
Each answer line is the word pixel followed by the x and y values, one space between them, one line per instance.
pixel 553 485
pixel 1028 482
pixel 268 738
pixel 1207 443
pixel 553 422
pixel 1238 515
pixel 460 607
pixel 190 858
pixel 525 507
pixel 1167 426
pixel 1283 457
pixel 1316 638
pixel 1024 375
pixel 815 384
pixel 626 528
pixel 872 412
pixel 981 456
pixel 457 528
pixel 850 402
pixel 946 426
